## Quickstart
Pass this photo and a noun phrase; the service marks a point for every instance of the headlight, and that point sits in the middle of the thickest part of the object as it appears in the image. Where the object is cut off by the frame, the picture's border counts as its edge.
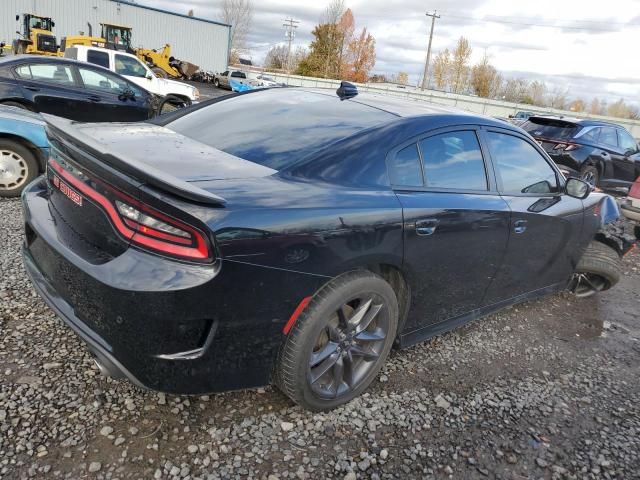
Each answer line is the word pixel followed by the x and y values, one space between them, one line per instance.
pixel 196 93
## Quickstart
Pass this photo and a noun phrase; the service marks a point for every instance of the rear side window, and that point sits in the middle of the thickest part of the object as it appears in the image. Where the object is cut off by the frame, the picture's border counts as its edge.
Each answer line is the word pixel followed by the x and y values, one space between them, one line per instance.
pixel 453 160
pixel 98 58
pixel 608 136
pixel 521 168
pixel 590 134
pixel 58 74
pixel 404 167
pixel 550 128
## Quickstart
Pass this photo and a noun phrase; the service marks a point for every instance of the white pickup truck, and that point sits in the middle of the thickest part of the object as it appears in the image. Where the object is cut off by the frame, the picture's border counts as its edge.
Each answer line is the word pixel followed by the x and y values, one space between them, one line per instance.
pixel 134 69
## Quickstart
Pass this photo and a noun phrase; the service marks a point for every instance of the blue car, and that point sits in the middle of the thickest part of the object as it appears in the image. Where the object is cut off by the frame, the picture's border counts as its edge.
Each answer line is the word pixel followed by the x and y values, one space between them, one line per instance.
pixel 24 149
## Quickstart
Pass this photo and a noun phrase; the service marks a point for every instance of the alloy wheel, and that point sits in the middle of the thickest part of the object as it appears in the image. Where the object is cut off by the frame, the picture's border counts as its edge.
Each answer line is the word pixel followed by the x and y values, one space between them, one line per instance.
pixel 348 346
pixel 14 170
pixel 590 178
pixel 587 284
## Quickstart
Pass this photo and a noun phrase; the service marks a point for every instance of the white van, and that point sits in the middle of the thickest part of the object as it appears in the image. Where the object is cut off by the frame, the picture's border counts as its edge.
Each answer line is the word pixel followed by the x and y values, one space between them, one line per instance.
pixel 133 69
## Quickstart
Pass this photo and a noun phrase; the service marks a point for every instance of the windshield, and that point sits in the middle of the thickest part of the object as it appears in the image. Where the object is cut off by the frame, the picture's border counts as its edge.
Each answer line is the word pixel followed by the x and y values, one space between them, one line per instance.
pixel 41 23
pixel 119 36
pixel 276 128
pixel 550 128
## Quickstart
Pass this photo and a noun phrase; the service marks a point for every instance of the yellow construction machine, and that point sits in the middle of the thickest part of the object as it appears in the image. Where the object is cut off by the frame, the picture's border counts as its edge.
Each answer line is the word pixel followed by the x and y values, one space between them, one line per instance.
pixel 118 37
pixel 36 37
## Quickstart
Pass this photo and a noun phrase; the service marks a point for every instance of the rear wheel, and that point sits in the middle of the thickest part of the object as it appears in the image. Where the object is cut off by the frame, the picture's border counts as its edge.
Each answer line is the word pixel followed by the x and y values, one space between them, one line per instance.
pixel 598 270
pixel 15 104
pixel 18 166
pixel 340 342
pixel 590 174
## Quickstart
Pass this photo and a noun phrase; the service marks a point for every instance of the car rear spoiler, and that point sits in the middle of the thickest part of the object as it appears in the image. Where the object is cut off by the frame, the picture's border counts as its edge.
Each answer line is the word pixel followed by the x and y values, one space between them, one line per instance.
pixel 64 130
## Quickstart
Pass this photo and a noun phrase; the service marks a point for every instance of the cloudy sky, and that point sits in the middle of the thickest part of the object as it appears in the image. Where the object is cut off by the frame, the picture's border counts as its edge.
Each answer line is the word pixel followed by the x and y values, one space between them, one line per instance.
pixel 588 46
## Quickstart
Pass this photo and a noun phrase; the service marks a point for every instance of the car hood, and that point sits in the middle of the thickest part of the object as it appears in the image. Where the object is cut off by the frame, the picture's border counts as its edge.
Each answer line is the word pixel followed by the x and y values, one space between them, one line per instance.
pixel 20 114
pixel 162 149
pixel 177 86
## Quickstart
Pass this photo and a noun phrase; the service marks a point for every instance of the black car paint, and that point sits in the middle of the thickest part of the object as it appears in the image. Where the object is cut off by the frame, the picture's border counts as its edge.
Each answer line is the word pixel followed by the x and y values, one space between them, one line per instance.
pixel 139 310
pixel 75 101
pixel 617 168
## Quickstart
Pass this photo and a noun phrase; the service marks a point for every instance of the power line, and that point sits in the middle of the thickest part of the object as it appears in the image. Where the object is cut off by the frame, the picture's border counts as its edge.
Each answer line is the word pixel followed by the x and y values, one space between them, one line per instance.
pixel 290 33
pixel 433 16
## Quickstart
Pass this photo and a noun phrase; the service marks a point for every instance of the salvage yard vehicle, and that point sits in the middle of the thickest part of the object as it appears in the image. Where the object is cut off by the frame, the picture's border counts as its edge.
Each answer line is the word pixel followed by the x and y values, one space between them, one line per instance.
pixel 630 206
pixel 24 149
pixel 88 93
pixel 224 79
pixel 36 37
pixel 132 68
pixel 601 153
pixel 292 236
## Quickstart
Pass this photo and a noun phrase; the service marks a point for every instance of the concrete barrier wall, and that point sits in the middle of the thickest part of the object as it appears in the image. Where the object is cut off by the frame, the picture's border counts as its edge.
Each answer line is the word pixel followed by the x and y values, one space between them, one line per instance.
pixel 484 106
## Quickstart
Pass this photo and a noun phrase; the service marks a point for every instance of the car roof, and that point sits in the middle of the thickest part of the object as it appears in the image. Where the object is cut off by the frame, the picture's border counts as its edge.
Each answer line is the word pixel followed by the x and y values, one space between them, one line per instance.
pixel 584 122
pixel 404 107
pixel 26 58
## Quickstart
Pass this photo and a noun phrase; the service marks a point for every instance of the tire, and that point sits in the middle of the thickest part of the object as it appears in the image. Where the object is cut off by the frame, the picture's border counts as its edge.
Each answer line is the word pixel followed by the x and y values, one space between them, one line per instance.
pixel 171 103
pixel 591 175
pixel 355 347
pixel 598 270
pixel 18 167
pixel 216 82
pixel 158 72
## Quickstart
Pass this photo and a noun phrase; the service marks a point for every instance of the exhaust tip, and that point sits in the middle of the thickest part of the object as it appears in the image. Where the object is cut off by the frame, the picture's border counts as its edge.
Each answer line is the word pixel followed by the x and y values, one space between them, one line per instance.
pixel 103 370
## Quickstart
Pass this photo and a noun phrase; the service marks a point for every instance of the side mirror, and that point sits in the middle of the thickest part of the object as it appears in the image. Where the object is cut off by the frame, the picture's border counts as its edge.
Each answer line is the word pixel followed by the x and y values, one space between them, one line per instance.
pixel 17 18
pixel 511 116
pixel 577 188
pixel 53 24
pixel 149 76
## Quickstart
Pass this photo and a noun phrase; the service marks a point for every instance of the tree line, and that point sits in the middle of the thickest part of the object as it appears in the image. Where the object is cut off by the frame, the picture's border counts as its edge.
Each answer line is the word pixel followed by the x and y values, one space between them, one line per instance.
pixel 452 72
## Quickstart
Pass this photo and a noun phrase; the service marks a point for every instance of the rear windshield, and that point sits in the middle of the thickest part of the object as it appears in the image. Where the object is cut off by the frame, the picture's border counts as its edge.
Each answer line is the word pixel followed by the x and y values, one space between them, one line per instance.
pixel 550 128
pixel 276 128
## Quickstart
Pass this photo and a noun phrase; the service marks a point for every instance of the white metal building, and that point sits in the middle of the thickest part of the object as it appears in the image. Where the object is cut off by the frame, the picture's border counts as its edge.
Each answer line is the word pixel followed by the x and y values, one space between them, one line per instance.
pixel 202 42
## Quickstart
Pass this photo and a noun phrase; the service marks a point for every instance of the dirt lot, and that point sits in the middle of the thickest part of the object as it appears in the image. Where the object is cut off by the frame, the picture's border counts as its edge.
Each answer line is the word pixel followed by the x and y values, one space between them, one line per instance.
pixel 548 389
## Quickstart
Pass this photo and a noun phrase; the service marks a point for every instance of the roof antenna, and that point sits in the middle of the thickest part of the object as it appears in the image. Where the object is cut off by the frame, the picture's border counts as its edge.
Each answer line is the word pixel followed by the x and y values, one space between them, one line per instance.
pixel 347 90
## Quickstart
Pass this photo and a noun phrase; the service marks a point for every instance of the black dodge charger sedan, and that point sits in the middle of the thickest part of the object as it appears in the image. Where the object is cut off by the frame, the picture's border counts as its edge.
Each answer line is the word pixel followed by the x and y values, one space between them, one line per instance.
pixel 294 235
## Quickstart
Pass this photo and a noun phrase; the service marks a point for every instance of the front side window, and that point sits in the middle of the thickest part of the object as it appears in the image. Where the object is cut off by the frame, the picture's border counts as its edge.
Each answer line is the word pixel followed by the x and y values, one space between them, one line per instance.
pixel 50 73
pixel 627 143
pixel 453 160
pixel 130 66
pixel 404 167
pixel 521 168
pixel 98 58
pixel 608 136
pixel 102 81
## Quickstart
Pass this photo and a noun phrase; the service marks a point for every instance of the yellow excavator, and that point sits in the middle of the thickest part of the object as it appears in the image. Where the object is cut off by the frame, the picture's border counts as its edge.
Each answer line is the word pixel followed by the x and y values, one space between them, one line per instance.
pixel 118 37
pixel 36 37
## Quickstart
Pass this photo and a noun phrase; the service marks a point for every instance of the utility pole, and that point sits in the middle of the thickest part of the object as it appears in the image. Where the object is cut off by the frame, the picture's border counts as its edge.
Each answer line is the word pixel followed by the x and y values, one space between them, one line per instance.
pixel 425 77
pixel 289 34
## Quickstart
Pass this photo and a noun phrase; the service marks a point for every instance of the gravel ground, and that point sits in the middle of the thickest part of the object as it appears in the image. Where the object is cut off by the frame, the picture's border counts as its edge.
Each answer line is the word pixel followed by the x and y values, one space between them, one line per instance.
pixel 548 389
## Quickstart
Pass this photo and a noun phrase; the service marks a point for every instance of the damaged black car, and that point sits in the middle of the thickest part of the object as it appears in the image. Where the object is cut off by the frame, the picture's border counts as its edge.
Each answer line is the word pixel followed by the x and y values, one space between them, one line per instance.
pixel 294 236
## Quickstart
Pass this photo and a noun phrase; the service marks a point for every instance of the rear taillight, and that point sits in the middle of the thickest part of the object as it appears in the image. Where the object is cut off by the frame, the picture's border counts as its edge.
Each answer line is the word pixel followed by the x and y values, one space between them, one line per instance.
pixel 566 147
pixel 141 224
pixel 634 192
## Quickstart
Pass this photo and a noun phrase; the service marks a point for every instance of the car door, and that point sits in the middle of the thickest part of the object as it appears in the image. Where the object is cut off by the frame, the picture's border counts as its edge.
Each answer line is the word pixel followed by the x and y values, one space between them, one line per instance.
pixel 106 99
pixel 52 88
pixel 625 167
pixel 612 156
pixel 133 70
pixel 544 237
pixel 455 223
pixel 224 79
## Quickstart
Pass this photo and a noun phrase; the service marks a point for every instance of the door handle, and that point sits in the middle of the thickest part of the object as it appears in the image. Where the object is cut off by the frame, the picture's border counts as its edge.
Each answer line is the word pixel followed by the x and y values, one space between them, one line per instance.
pixel 94 98
pixel 33 89
pixel 520 226
pixel 426 227
pixel 604 154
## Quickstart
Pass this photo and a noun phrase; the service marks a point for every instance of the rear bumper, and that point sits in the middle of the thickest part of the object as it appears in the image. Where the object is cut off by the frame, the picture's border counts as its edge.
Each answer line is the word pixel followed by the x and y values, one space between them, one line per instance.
pixel 165 325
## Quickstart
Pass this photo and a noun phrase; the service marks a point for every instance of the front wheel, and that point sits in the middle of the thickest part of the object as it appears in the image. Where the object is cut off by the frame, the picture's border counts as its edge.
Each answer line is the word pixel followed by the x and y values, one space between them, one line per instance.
pixel 18 166
pixel 591 175
pixel 598 270
pixel 340 341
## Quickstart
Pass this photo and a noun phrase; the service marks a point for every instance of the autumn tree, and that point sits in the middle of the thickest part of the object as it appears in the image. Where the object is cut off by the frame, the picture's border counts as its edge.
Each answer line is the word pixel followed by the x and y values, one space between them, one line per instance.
pixel 441 66
pixel 536 92
pixel 460 65
pixel 276 57
pixel 559 98
pixel 360 57
pixel 514 90
pixel 238 14
pixel 577 105
pixel 483 77
pixel 401 78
